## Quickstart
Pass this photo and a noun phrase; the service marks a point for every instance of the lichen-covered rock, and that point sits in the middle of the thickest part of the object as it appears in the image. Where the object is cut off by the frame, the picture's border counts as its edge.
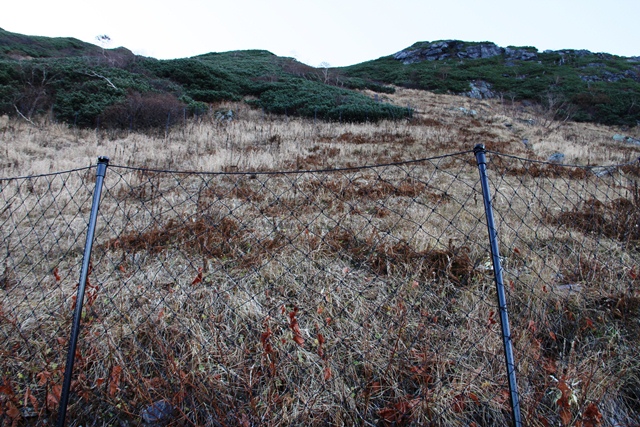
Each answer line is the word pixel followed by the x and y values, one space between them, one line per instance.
pixel 448 49
pixel 480 90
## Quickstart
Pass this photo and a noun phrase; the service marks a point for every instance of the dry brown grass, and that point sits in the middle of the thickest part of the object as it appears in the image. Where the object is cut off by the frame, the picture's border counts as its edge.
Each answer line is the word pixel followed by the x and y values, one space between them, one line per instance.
pixel 254 141
pixel 352 297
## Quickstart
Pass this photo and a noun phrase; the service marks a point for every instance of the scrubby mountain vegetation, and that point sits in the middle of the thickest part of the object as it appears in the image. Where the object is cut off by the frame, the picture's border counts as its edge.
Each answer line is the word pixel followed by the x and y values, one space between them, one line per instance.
pixel 83 84
pixel 575 84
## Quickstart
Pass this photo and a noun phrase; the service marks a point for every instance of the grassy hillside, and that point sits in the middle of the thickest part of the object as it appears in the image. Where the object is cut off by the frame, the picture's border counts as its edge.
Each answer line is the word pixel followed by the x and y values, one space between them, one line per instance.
pixel 84 85
pixel 578 84
pixel 383 270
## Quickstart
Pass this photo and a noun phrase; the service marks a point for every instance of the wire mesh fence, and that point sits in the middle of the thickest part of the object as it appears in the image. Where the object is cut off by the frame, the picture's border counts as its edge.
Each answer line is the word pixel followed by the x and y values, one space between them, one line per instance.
pixel 570 240
pixel 360 296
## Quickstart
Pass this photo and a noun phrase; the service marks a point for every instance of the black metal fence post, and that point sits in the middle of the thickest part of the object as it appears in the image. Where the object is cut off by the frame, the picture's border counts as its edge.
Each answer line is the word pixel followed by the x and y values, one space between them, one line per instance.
pixel 103 162
pixel 480 151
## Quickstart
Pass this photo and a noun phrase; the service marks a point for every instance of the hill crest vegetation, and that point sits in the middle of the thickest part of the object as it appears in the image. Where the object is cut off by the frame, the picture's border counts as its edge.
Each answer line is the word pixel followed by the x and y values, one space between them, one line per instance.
pixel 85 85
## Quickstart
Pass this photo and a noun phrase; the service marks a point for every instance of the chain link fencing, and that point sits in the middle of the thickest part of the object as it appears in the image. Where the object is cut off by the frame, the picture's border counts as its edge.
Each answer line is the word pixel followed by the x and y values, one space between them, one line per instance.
pixel 570 241
pixel 360 296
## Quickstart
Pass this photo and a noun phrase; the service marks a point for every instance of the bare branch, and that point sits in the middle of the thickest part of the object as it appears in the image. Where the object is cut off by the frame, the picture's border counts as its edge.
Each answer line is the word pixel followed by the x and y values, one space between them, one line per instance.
pixel 24 117
pixel 100 76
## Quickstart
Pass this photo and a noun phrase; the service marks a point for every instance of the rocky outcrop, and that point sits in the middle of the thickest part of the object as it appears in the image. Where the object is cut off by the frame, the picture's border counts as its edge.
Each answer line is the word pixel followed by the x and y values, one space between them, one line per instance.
pixel 477 51
pixel 627 139
pixel 456 49
pixel 579 53
pixel 516 54
pixel 608 76
pixel 480 90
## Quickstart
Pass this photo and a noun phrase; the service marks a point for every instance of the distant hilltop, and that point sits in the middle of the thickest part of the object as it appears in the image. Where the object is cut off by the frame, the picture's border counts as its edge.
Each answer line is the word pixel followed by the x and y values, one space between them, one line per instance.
pixel 452 49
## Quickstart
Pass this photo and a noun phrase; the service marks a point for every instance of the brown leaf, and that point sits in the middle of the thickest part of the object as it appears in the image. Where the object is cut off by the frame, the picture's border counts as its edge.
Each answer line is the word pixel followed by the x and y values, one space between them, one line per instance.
pixel 589 324
pixel 7 389
pixel 458 404
pixel 592 416
pixel 12 411
pixel 43 377
pixel 198 278
pixel 30 398
pixel 298 339
pixel 295 327
pixel 327 373
pixel 114 380
pixel 53 397
pixel 491 320
pixel 474 397
pixel 565 417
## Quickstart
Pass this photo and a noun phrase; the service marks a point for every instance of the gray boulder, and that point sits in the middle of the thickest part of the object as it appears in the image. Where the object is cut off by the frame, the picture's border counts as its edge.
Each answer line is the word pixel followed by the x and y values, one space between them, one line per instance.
pixel 556 158
pixel 601 171
pixel 623 138
pixel 480 90
pixel 468 112
pixel 519 54
pixel 479 51
pixel 632 141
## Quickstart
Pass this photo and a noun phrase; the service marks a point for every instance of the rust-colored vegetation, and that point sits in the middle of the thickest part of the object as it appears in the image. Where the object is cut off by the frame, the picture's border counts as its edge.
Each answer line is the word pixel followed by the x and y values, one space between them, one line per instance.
pixel 617 219
pixel 385 258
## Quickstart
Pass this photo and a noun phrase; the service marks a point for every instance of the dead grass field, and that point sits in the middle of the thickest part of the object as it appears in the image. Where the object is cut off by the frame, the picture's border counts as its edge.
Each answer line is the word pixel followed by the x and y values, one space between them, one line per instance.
pixel 359 296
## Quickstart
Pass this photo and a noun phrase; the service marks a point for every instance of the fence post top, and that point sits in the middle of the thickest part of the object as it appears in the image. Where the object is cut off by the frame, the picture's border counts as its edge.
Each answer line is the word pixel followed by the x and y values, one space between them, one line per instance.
pixel 103 159
pixel 479 149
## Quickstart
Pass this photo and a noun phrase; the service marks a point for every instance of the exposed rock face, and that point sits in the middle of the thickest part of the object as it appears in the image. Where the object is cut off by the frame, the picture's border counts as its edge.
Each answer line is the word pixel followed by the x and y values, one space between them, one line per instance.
pixel 610 77
pixel 446 49
pixel 519 54
pixel 483 50
pixel 436 51
pixel 480 90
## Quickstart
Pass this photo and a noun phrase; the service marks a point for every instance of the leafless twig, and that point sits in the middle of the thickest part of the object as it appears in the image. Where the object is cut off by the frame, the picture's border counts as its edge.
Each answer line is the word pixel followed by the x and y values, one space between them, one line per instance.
pixel 100 76
pixel 23 116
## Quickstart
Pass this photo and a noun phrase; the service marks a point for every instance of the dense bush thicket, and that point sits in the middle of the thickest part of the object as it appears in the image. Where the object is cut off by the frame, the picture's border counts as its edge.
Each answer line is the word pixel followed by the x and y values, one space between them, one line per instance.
pixel 594 87
pixel 147 111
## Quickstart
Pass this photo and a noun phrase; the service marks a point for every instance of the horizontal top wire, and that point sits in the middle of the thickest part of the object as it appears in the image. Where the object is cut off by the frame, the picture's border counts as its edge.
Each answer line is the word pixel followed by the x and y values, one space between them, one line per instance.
pixel 353 168
pixel 48 174
pixel 543 162
pixel 289 172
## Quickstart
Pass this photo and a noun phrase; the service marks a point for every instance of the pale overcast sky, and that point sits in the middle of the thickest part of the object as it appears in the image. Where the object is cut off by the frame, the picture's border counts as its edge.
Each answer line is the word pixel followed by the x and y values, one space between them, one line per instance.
pixel 339 32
